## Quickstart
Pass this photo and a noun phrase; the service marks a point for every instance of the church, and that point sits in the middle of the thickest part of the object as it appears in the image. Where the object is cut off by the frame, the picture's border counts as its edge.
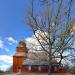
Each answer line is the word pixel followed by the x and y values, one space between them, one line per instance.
pixel 26 61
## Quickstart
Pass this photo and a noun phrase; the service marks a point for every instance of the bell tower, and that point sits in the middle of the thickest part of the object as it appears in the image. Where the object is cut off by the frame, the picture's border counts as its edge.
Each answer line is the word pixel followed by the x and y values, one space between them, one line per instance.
pixel 19 57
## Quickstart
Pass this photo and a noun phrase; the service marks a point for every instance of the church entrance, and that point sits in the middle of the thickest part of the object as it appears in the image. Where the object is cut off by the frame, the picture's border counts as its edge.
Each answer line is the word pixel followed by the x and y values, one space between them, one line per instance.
pixel 19 69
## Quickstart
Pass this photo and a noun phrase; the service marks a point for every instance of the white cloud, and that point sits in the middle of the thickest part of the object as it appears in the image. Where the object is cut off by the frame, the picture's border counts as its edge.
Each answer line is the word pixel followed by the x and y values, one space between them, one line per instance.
pixel 1 44
pixel 7 62
pixel 6 49
pixel 12 40
pixel 6 59
pixel 73 44
pixel 4 67
pixel 74 25
pixel 10 43
pixel 32 42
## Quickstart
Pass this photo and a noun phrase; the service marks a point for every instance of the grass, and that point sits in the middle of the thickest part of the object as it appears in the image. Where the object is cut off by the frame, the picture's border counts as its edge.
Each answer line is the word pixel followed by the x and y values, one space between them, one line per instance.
pixel 1 73
pixel 59 74
pixel 40 74
pixel 24 74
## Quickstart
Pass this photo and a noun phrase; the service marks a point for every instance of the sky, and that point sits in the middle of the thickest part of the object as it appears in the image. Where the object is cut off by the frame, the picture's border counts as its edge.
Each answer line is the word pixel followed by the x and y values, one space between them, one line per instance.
pixel 12 29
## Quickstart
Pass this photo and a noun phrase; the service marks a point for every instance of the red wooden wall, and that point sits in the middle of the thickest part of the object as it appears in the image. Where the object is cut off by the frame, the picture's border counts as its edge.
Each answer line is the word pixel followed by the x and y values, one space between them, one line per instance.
pixel 17 63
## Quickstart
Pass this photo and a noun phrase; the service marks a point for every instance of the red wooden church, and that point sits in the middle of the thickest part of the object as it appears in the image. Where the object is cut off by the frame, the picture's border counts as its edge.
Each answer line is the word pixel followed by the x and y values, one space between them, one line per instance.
pixel 25 61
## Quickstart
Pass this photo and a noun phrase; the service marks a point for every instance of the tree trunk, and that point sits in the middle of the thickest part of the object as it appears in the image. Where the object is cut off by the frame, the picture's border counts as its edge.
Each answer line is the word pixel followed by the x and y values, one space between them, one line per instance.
pixel 49 71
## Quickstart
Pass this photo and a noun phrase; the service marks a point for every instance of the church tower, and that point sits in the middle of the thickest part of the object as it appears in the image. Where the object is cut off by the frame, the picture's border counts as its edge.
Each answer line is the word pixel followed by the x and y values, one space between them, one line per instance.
pixel 19 56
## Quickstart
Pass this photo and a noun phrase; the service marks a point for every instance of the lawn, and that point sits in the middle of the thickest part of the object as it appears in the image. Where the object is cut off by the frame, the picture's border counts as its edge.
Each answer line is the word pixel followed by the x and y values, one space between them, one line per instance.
pixel 59 74
pixel 24 74
pixel 44 74
pixel 1 74
pixel 39 74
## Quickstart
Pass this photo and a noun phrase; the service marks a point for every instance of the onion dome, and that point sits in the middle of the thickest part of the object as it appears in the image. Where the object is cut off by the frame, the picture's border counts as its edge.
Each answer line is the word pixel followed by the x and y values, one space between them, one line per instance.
pixel 22 43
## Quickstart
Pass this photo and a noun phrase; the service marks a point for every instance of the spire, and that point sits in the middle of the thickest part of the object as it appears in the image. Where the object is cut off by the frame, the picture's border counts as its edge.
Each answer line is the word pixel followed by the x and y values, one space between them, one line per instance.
pixel 22 43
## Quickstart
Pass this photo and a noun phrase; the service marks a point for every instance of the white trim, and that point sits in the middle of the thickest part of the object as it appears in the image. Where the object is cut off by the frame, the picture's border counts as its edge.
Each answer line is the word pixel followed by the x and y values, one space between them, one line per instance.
pixel 29 68
pixel 39 68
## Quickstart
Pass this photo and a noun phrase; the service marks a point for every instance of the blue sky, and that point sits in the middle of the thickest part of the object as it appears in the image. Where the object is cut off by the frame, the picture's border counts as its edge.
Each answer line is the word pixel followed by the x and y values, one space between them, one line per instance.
pixel 12 29
pixel 12 14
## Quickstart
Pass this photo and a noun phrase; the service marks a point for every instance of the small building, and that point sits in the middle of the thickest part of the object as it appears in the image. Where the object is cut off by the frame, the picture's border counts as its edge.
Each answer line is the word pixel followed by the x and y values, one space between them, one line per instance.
pixel 19 56
pixel 26 61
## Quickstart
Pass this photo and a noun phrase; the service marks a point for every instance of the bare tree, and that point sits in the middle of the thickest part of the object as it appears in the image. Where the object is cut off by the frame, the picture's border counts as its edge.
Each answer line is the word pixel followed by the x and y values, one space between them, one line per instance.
pixel 52 22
